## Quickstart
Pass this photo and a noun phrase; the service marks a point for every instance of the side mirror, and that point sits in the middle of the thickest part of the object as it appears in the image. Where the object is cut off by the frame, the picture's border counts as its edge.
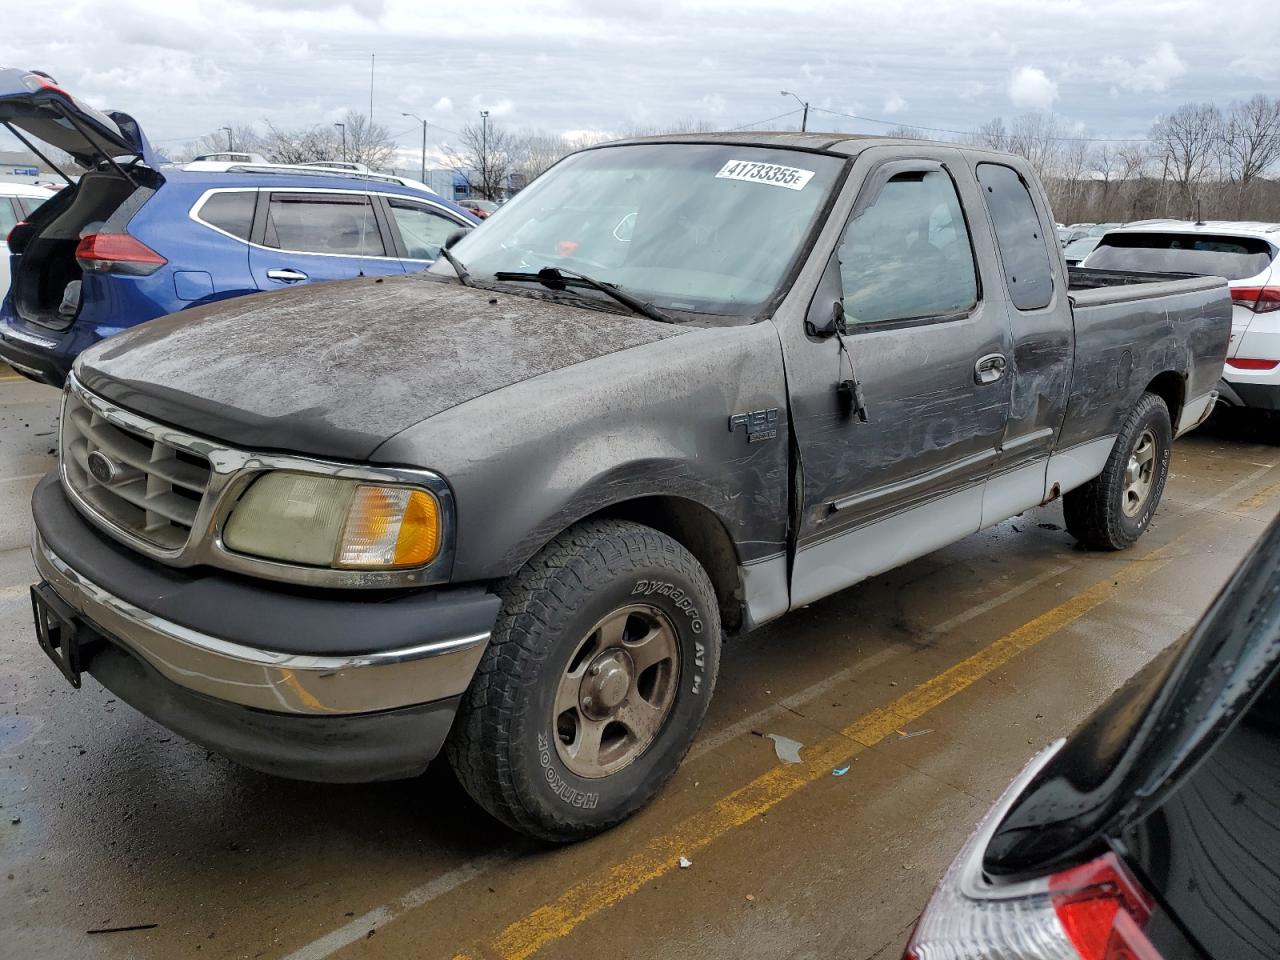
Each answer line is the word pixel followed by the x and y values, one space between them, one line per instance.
pixel 456 236
pixel 828 326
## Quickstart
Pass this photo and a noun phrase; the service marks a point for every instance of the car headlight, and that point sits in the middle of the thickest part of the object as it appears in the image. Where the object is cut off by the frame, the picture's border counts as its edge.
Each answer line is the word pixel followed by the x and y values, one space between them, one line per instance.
pixel 324 521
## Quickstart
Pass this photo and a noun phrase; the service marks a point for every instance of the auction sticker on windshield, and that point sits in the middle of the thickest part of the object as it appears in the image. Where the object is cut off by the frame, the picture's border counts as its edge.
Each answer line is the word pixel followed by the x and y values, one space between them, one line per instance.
pixel 793 178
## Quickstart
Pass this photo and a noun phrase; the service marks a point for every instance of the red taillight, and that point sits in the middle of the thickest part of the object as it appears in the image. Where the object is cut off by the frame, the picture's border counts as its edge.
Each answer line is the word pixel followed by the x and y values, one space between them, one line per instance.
pixel 1249 363
pixel 1257 299
pixel 118 253
pixel 1103 910
pixel 20 223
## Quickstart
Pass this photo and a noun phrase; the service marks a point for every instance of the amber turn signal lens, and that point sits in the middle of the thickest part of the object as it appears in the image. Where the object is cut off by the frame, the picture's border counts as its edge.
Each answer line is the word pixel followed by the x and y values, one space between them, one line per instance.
pixel 390 527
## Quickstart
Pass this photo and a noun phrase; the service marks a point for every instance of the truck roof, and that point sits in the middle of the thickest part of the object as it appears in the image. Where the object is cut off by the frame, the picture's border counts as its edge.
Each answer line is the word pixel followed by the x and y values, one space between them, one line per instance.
pixel 848 144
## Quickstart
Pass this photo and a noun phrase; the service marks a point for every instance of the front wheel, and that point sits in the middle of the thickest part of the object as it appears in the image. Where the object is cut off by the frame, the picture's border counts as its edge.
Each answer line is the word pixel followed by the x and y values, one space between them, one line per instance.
pixel 1112 511
pixel 594 685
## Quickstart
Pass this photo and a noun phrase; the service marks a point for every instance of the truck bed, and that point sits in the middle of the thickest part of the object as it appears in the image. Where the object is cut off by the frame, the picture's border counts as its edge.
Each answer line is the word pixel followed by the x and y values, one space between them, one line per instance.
pixel 1131 326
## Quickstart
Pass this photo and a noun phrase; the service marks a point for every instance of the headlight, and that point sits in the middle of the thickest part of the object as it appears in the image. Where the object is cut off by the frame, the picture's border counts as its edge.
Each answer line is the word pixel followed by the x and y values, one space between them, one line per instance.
pixel 334 522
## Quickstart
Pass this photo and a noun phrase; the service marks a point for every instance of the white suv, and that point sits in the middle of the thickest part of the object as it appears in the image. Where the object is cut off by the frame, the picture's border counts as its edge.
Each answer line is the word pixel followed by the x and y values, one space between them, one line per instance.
pixel 1246 254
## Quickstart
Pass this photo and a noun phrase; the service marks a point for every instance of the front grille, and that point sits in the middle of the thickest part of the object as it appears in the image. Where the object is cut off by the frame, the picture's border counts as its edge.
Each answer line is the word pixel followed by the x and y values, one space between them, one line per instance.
pixel 156 488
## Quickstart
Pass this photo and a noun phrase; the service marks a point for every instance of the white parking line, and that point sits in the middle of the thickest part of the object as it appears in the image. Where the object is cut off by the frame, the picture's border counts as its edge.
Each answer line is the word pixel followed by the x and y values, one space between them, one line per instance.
pixel 360 927
pixel 25 476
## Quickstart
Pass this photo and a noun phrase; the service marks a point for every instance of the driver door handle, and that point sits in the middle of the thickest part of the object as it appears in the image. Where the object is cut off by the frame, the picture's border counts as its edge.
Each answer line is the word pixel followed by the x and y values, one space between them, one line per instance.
pixel 286 275
pixel 990 368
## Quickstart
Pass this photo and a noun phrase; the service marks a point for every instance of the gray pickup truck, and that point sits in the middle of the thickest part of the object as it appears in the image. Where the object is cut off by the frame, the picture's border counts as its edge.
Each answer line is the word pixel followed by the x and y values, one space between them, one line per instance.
pixel 509 508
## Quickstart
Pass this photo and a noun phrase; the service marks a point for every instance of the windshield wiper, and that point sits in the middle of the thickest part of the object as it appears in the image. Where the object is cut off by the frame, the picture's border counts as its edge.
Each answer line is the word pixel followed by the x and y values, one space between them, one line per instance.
pixel 464 277
pixel 556 278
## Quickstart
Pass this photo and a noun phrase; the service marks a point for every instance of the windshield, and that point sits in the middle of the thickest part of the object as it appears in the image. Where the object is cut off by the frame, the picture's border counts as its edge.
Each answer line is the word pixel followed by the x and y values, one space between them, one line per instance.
pixel 696 228
pixel 1212 256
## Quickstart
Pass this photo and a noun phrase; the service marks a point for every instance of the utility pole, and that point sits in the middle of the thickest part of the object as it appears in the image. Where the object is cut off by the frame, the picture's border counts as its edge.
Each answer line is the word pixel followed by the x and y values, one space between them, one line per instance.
pixel 230 143
pixel 804 118
pixel 343 128
pixel 423 175
pixel 484 154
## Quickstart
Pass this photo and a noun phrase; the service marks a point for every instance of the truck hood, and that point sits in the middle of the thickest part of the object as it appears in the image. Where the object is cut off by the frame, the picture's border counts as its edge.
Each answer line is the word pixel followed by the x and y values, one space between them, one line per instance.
pixel 336 369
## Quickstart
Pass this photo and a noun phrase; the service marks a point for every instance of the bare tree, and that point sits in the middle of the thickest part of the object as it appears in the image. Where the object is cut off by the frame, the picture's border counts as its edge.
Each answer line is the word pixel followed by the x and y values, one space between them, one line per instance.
pixel 1251 144
pixel 903 132
pixel 367 143
pixel 1188 140
pixel 484 156
pixel 301 145
pixel 992 135
pixel 243 138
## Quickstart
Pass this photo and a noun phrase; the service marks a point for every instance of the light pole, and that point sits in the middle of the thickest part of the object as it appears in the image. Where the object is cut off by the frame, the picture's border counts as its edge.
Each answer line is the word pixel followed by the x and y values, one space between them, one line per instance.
pixel 343 128
pixel 804 119
pixel 230 144
pixel 484 154
pixel 423 175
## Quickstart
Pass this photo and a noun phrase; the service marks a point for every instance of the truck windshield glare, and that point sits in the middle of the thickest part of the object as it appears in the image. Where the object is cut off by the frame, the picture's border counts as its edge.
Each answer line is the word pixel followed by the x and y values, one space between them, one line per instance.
pixel 694 228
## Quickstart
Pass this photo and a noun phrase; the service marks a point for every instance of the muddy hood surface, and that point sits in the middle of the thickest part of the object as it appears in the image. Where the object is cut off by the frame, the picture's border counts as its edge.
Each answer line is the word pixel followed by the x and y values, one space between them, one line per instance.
pixel 335 369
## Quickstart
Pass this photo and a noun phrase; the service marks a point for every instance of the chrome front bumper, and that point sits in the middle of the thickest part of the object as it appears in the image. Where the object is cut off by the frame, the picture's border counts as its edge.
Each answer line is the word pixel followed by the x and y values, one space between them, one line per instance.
pixel 262 679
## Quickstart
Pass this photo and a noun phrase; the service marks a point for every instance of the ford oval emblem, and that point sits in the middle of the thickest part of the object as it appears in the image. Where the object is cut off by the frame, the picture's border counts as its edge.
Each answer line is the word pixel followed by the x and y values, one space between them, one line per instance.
pixel 102 468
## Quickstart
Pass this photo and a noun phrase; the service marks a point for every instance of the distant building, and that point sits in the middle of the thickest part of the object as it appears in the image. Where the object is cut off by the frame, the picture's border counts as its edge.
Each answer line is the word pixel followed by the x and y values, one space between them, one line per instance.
pixel 19 166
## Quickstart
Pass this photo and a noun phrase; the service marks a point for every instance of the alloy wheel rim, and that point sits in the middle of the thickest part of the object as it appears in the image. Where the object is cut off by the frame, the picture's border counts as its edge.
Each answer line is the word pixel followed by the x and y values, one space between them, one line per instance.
pixel 1139 474
pixel 616 691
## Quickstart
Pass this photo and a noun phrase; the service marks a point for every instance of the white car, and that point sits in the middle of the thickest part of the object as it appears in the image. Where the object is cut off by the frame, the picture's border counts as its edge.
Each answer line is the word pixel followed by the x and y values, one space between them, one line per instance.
pixel 17 201
pixel 1246 254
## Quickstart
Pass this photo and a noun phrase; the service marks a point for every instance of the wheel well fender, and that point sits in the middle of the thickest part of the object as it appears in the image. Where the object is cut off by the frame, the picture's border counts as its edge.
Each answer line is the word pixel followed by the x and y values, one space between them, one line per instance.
pixel 700 531
pixel 1170 387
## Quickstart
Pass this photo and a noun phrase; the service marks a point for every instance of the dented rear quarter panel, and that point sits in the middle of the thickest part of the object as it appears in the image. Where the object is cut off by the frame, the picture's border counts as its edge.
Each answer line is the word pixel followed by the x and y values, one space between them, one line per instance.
pixel 528 461
pixel 1127 336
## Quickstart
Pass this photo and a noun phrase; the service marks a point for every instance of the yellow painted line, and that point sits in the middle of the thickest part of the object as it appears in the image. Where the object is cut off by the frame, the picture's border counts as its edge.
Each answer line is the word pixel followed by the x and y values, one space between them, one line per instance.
pixel 1259 499
pixel 614 882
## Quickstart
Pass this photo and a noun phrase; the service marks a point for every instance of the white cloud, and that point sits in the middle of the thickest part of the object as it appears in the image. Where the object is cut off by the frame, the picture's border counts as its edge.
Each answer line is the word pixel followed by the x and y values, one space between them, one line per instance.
pixel 1153 74
pixel 713 103
pixel 895 104
pixel 1031 89
pixel 443 105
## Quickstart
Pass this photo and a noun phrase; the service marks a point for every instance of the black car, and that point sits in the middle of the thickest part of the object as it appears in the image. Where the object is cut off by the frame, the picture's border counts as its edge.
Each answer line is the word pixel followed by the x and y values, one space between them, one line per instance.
pixel 1153 833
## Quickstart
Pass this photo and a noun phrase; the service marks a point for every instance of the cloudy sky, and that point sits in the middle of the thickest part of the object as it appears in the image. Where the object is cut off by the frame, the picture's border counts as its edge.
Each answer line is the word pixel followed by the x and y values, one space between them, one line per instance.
pixel 1108 68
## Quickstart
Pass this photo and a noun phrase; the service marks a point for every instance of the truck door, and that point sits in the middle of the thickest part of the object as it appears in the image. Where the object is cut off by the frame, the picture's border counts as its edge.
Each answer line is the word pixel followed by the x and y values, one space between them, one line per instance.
pixel 303 236
pixel 899 418
pixel 1039 312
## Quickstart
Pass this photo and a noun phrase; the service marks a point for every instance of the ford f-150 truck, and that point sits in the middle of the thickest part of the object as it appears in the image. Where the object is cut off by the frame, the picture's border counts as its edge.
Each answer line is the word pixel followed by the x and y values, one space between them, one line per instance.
pixel 511 506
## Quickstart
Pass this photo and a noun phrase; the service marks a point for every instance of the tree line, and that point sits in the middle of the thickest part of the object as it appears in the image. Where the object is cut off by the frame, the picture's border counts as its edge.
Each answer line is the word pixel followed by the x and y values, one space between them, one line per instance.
pixel 1199 161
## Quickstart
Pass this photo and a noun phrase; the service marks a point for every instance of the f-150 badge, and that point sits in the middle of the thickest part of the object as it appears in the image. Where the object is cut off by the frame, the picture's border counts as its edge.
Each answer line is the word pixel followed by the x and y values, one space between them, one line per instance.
pixel 759 424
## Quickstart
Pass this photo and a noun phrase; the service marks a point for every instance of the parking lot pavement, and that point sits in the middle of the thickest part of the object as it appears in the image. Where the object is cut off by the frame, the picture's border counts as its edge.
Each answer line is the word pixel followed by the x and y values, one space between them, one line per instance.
pixel 932 684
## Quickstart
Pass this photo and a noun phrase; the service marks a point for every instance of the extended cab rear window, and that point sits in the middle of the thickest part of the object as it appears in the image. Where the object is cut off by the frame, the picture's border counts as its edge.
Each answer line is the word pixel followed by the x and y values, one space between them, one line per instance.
pixel 1205 254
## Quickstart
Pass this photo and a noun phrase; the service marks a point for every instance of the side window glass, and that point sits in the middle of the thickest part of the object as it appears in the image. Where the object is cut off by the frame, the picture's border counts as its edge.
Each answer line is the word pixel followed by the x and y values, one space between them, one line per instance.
pixel 1024 251
pixel 230 212
pixel 908 255
pixel 8 217
pixel 333 223
pixel 422 229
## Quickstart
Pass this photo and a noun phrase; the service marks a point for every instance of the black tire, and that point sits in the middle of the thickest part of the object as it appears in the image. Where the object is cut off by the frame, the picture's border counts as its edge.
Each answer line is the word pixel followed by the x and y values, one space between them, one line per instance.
pixel 1095 513
pixel 503 747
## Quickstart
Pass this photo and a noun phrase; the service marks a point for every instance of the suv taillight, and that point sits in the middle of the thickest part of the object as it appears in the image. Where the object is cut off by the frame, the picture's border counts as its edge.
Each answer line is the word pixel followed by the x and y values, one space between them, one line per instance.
pixel 1103 910
pixel 1257 299
pixel 117 253
pixel 20 223
pixel 1096 911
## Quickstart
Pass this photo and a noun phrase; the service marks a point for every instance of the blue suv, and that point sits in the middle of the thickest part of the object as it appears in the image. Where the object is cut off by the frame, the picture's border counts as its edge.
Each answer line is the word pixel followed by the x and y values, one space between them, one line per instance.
pixel 137 237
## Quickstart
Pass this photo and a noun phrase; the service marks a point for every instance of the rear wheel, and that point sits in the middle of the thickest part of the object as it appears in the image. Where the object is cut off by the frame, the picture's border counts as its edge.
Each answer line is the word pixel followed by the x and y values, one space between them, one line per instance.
pixel 1112 511
pixel 594 685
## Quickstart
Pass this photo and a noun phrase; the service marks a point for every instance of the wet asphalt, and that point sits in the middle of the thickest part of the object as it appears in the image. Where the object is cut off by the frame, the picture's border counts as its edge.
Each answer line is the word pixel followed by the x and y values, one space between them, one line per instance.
pixel 108 821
